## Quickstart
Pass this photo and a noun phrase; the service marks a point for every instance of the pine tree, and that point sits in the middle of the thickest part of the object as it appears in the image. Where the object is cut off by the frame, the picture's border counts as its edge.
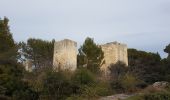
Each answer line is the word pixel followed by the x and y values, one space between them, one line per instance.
pixel 91 55
pixel 8 48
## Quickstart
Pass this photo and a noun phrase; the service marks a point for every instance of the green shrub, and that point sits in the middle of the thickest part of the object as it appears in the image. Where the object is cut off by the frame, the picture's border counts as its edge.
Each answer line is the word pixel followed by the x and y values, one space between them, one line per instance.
pixel 157 96
pixel 117 86
pixel 151 96
pixel 89 91
pixel 95 90
pixel 56 86
pixel 129 83
pixel 103 89
pixel 25 95
pixel 83 77
pixel 74 97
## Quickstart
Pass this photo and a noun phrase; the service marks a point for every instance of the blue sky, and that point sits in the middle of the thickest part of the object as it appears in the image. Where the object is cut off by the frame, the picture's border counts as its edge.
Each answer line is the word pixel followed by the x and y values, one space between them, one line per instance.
pixel 141 24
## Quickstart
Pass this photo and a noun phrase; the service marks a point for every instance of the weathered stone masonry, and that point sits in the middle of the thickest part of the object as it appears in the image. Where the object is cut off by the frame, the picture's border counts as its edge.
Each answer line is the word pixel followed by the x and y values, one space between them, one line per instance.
pixel 114 52
pixel 65 55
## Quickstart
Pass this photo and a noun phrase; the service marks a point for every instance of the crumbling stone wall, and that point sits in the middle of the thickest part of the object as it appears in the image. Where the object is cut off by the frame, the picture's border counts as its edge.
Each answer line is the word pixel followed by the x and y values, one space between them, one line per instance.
pixel 65 55
pixel 114 52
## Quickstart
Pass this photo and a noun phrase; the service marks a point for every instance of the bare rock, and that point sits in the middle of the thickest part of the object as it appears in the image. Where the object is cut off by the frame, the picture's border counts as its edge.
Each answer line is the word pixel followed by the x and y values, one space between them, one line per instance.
pixel 160 85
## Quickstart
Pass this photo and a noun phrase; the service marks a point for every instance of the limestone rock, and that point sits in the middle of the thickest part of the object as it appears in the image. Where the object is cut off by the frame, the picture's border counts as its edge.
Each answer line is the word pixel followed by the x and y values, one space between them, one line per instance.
pixel 160 85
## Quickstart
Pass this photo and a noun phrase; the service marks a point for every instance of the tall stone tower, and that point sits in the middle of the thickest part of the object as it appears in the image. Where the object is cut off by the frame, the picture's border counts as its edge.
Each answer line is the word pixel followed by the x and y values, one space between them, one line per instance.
pixel 65 55
pixel 114 52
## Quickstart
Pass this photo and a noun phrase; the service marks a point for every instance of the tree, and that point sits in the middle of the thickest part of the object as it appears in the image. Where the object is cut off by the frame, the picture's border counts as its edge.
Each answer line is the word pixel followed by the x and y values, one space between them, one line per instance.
pixel 146 66
pixel 137 57
pixel 8 48
pixel 166 63
pixel 167 50
pixel 11 72
pixel 40 52
pixel 91 55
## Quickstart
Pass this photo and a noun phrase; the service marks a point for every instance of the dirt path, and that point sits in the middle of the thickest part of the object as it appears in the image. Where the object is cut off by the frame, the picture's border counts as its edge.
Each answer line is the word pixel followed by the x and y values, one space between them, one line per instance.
pixel 117 97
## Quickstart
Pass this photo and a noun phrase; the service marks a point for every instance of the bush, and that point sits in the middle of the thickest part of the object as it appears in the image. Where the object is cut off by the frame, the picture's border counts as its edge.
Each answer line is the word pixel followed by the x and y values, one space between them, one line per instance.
pixel 103 89
pixel 129 83
pixel 151 96
pixel 89 92
pixel 117 86
pixel 25 95
pixel 83 77
pixel 56 86
pixel 126 83
pixel 157 96
pixel 74 97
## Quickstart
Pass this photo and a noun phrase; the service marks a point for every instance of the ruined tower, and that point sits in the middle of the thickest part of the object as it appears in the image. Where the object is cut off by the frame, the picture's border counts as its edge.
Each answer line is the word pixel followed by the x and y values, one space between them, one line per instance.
pixel 65 55
pixel 114 52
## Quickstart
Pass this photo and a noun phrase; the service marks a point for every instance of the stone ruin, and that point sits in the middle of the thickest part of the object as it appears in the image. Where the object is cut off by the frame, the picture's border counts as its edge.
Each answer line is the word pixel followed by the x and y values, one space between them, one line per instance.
pixel 65 55
pixel 113 53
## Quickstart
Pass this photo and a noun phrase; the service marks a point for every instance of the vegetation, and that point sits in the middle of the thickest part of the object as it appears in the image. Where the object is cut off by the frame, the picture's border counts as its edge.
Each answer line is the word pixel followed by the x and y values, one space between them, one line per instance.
pixel 11 72
pixel 90 55
pixel 152 96
pixel 85 83
pixel 146 66
pixel 40 52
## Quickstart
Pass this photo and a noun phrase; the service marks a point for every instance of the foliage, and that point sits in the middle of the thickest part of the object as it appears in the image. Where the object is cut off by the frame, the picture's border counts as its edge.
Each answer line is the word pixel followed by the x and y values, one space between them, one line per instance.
pixel 11 72
pixel 56 86
pixel 91 55
pixel 117 70
pixel 130 82
pixel 40 52
pixel 103 88
pixel 76 97
pixel 157 96
pixel 146 66
pixel 8 49
pixel 11 84
pixel 89 91
pixel 44 84
pixel 167 50
pixel 141 57
pixel 166 63
pixel 121 78
pixel 83 77
pixel 151 96
pixel 95 90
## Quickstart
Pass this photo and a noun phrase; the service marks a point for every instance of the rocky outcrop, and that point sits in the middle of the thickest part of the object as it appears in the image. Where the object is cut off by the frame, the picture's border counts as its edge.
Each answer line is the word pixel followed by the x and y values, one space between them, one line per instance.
pixel 160 85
